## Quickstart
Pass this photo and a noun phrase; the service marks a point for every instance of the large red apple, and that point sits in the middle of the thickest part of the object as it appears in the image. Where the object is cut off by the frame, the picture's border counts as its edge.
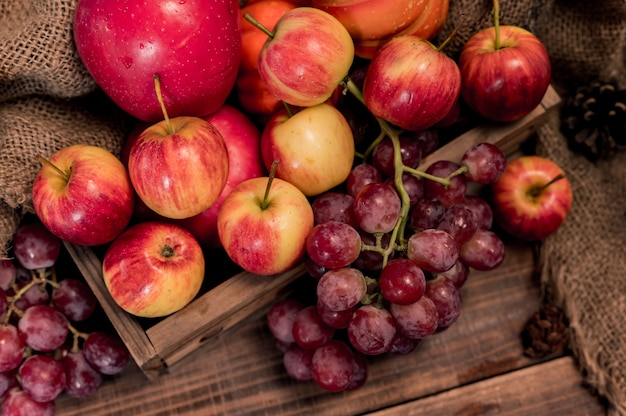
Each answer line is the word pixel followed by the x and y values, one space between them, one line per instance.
pixel 411 84
pixel 307 56
pixel 153 269
pixel 263 233
pixel 243 143
pixel 314 148
pixel 505 70
pixel 83 195
pixel 193 45
pixel 179 166
pixel 532 198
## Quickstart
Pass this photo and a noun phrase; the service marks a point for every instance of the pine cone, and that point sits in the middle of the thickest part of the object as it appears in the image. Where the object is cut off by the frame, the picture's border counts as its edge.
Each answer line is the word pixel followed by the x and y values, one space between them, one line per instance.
pixel 546 332
pixel 594 120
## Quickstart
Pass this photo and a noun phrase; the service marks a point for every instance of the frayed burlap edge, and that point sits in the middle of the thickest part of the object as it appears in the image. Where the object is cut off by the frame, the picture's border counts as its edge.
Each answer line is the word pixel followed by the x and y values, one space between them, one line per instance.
pixel 583 265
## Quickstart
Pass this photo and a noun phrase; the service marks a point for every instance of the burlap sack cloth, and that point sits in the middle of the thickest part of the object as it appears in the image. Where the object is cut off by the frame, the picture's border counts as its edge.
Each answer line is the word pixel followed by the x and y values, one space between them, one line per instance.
pixel 583 265
pixel 48 101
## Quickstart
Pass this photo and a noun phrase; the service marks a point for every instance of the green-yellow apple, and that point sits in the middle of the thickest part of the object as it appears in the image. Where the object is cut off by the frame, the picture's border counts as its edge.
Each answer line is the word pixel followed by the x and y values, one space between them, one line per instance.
pixel 263 224
pixel 153 269
pixel 314 147
pixel 306 57
pixel 532 197
pixel 83 195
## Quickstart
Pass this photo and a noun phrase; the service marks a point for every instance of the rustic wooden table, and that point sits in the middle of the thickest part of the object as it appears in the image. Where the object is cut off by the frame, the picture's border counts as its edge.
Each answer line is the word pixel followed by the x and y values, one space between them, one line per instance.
pixel 476 367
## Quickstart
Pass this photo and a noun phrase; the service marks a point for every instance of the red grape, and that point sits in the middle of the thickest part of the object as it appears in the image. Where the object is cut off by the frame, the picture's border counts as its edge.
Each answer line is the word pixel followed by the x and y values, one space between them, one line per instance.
pixel 8 273
pixel 402 281
pixel 42 377
pixel 371 330
pixel 481 209
pixel 298 362
pixel 360 372
pixel 280 318
pixel 412 185
pixel 416 320
pixel 459 221
pixel 458 273
pixel 74 299
pixel 81 379
pixel 43 327
pixel 360 176
pixel 383 154
pixel 341 289
pixel 333 244
pixel 484 251
pixel 105 352
pixel 448 195
pixel 309 331
pixel 402 345
pixel 433 250
pixel 4 302
pixel 35 247
pixel 334 206
pixel 18 403
pixel 485 163
pixel 7 381
pixel 377 208
pixel 427 213
pixel 428 140
pixel 335 319
pixel 333 366
pixel 447 300
pixel 12 350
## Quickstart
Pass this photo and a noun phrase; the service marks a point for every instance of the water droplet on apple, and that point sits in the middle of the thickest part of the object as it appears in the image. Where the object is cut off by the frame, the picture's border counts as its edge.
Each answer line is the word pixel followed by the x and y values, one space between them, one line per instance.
pixel 127 61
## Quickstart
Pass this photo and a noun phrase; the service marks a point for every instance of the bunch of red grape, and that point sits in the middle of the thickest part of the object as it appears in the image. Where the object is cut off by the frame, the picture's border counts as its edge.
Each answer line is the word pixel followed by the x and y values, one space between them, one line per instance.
pixel 43 353
pixel 390 250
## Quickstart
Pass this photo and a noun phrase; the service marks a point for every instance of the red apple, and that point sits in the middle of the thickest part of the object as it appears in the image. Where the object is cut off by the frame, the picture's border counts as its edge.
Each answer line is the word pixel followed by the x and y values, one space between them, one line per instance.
pixel 153 269
pixel 264 233
pixel 411 84
pixel 243 143
pixel 314 148
pixel 194 46
pixel 83 195
pixel 179 166
pixel 506 71
pixel 532 198
pixel 307 56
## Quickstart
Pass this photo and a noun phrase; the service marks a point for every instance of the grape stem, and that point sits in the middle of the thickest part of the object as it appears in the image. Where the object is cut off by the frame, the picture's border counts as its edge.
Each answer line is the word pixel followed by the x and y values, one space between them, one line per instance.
pixel 398 239
pixel 39 277
pixel 76 336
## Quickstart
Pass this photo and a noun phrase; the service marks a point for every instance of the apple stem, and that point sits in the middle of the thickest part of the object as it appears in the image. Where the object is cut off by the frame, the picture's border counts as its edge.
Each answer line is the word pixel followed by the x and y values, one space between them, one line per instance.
pixel 535 192
pixel 265 203
pixel 288 109
pixel 66 175
pixel 258 25
pixel 451 35
pixel 496 23
pixel 157 87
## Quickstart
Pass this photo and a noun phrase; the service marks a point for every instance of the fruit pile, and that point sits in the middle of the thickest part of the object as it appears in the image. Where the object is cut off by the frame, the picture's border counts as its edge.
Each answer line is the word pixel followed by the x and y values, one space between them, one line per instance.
pixel 52 341
pixel 283 132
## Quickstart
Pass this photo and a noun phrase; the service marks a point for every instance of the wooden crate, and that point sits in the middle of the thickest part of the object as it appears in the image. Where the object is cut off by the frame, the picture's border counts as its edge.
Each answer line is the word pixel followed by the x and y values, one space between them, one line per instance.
pixel 157 345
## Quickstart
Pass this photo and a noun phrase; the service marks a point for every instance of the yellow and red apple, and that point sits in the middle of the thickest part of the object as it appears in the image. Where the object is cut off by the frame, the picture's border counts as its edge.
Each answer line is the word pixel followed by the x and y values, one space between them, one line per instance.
pixel 83 195
pixel 263 225
pixel 153 269
pixel 532 198
pixel 314 148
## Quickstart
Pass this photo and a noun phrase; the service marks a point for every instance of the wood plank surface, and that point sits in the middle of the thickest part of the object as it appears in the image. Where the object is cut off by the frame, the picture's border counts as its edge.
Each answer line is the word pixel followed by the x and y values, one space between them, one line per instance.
pixel 241 373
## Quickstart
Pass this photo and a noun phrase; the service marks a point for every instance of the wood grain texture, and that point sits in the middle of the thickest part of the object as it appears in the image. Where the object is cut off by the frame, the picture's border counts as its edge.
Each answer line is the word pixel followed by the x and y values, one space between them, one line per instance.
pixel 241 373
